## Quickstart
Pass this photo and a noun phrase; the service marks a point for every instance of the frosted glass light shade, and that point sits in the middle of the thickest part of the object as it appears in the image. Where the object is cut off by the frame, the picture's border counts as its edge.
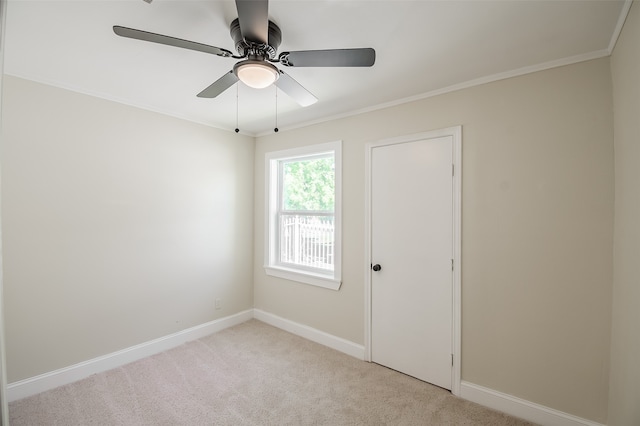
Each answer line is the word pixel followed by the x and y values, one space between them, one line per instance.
pixel 256 74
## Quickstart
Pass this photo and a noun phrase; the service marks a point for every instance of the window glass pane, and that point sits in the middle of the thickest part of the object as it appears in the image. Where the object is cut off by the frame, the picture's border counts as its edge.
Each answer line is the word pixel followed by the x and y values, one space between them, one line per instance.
pixel 309 184
pixel 304 214
pixel 307 240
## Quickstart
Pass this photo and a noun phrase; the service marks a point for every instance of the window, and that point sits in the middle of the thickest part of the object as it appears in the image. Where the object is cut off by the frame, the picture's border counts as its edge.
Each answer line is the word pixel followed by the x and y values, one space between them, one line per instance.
pixel 303 241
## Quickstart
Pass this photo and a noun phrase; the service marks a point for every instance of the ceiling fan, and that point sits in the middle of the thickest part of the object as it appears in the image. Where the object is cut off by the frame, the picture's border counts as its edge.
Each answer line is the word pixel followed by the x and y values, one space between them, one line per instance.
pixel 257 40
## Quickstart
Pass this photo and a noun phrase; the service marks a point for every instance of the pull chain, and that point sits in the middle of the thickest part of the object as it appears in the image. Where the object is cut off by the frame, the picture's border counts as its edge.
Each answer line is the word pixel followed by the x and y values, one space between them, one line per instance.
pixel 237 103
pixel 276 128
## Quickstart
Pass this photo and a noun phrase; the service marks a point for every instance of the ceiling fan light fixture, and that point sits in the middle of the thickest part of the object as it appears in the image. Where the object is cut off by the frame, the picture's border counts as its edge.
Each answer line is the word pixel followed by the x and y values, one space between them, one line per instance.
pixel 256 74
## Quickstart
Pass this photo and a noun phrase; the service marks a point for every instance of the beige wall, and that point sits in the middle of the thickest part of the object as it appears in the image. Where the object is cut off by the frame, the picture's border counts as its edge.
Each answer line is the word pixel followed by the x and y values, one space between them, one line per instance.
pixel 624 397
pixel 119 226
pixel 122 225
pixel 537 213
pixel 4 409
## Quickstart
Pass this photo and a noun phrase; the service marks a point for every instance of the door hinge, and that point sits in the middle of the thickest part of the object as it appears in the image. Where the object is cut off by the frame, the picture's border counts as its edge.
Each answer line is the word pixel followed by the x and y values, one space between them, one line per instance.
pixel 453 170
pixel 452 360
pixel 452 264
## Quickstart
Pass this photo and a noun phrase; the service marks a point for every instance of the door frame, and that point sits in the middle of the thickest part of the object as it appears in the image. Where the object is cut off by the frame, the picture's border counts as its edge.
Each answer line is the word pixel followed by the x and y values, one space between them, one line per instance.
pixel 456 134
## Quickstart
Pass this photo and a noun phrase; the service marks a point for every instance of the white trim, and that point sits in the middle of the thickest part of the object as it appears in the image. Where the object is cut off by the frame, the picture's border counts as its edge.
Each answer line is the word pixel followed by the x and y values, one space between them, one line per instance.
pixel 63 376
pixel 456 134
pixel 464 85
pixel 457 260
pixel 301 151
pixel 310 333
pixel 53 379
pixel 583 57
pixel 306 277
pixel 333 279
pixel 484 396
pixel 621 19
pixel 521 408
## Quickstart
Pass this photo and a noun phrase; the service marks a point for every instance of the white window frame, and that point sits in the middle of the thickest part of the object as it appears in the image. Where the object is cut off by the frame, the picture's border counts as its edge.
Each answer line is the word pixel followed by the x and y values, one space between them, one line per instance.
pixel 331 279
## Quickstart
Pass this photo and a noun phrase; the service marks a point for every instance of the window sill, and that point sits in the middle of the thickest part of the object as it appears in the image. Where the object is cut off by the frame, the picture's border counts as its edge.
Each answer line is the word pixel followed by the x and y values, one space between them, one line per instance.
pixel 303 277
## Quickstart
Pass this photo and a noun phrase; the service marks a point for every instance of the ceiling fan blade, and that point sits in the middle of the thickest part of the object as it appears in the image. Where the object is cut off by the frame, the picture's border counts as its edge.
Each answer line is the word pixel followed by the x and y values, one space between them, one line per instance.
pixel 170 41
pixel 364 57
pixel 288 85
pixel 253 16
pixel 219 86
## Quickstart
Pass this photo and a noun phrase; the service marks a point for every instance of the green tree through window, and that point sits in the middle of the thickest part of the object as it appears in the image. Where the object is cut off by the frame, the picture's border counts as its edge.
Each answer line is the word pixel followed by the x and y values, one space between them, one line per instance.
pixel 309 184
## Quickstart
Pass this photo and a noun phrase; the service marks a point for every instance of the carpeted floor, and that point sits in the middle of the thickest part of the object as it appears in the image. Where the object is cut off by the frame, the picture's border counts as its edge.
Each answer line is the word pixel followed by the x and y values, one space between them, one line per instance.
pixel 251 374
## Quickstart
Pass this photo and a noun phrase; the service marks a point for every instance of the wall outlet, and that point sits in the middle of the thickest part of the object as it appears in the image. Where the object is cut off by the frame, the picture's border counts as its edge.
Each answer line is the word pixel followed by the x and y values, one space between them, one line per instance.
pixel 218 304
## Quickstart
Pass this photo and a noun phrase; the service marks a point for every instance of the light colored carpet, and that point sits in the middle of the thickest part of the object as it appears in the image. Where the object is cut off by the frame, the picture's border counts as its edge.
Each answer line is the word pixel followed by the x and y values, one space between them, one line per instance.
pixel 251 374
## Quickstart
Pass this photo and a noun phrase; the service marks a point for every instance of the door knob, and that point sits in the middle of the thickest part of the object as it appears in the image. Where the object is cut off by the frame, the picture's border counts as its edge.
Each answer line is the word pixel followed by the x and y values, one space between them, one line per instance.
pixel 376 267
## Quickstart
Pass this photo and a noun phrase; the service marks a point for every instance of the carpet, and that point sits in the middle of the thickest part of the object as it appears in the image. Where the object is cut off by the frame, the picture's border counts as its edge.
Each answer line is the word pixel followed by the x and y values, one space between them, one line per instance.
pixel 251 374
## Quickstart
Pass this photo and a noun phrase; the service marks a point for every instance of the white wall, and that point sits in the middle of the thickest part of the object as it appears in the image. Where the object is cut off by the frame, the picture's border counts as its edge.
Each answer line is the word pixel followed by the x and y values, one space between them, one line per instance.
pixel 624 398
pixel 119 226
pixel 537 231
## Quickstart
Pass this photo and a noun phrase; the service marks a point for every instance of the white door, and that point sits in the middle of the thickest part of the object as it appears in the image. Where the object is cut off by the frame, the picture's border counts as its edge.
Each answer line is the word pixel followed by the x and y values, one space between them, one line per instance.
pixel 412 243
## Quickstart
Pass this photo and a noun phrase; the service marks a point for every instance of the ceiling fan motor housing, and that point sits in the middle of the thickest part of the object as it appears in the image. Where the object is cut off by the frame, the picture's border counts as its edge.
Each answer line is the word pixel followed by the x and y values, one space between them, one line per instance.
pixel 250 48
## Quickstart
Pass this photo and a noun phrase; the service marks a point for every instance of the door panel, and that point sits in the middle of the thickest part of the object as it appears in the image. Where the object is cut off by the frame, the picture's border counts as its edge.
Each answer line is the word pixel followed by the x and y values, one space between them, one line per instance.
pixel 412 240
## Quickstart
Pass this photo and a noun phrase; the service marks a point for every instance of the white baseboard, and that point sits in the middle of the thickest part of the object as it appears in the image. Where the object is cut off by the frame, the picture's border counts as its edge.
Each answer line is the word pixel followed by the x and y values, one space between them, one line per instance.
pixel 484 396
pixel 63 376
pixel 66 375
pixel 520 408
pixel 309 333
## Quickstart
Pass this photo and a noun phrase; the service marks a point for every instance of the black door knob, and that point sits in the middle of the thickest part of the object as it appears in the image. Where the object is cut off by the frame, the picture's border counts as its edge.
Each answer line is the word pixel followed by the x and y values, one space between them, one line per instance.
pixel 376 267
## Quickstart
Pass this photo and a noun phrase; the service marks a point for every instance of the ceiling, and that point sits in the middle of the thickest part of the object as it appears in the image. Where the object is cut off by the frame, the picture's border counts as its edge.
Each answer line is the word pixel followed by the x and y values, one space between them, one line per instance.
pixel 422 48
